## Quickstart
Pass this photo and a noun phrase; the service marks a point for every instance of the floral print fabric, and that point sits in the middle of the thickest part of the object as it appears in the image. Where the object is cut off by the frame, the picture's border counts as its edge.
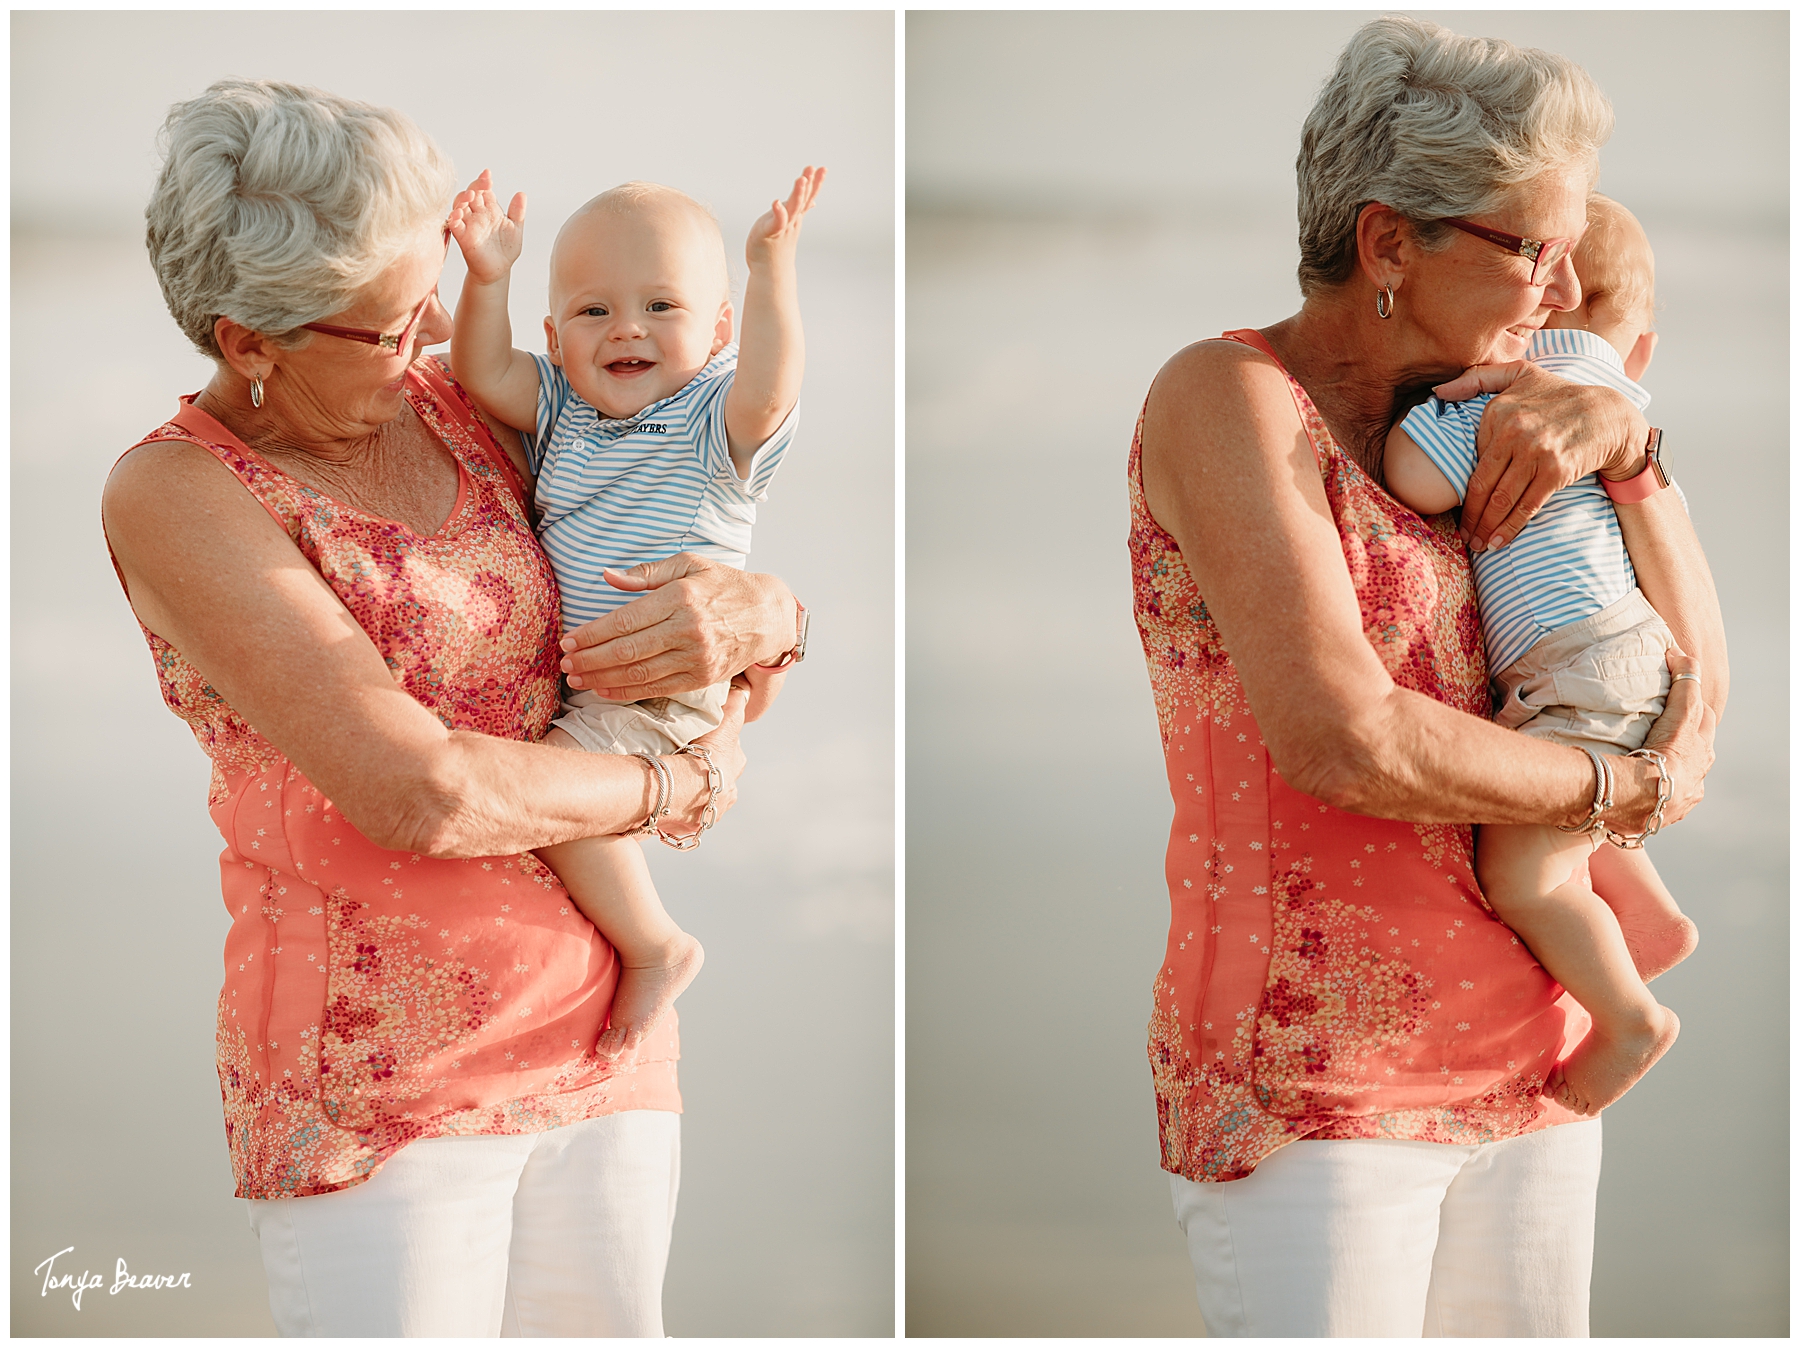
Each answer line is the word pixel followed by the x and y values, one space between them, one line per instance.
pixel 1328 975
pixel 372 997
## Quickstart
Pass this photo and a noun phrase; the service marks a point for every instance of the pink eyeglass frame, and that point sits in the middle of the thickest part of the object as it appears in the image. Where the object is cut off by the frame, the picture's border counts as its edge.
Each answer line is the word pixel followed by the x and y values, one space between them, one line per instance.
pixel 389 341
pixel 1543 254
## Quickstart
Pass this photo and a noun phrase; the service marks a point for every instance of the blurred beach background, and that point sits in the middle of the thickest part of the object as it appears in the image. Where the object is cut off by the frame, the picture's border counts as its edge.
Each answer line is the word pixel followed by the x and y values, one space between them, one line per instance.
pixel 1086 194
pixel 786 1214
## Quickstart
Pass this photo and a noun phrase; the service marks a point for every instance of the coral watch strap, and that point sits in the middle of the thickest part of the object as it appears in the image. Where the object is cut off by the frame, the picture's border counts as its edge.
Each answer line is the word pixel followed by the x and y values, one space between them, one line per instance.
pixel 1646 483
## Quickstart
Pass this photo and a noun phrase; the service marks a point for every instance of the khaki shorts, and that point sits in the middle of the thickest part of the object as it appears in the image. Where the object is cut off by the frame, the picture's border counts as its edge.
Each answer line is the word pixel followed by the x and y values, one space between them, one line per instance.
pixel 657 725
pixel 1599 682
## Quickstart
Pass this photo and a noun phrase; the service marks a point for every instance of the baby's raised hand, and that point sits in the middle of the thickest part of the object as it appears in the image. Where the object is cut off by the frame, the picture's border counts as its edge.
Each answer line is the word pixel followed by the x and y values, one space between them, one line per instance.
pixel 775 234
pixel 491 239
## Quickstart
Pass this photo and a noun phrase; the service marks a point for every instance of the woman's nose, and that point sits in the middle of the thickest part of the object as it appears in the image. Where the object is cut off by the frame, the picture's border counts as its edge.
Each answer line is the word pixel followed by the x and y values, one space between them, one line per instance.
pixel 435 325
pixel 1564 290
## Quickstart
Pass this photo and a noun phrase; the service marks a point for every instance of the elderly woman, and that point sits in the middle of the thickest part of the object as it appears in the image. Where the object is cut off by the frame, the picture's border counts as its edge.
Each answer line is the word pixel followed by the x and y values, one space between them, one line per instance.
pixel 1333 977
pixel 331 556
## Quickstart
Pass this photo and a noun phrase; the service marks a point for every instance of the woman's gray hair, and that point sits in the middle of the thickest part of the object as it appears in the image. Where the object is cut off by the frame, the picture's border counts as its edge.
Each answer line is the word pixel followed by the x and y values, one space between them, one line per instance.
pixel 1433 124
pixel 277 203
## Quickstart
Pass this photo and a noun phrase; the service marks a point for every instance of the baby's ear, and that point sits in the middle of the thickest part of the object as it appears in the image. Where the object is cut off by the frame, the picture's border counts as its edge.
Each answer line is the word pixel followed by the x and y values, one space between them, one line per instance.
pixel 722 329
pixel 550 342
pixel 1639 359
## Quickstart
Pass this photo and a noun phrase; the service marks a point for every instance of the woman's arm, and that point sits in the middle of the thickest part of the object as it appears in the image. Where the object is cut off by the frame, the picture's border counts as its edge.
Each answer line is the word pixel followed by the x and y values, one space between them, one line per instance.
pixel 1673 574
pixel 211 573
pixel 1228 471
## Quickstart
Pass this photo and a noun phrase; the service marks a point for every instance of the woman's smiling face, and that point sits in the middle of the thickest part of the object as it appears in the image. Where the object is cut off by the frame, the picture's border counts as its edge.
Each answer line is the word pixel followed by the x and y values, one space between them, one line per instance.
pixel 1475 300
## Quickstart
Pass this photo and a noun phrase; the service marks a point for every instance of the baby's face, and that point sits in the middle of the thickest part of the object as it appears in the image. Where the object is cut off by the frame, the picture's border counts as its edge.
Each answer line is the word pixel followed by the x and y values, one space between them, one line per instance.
pixel 639 304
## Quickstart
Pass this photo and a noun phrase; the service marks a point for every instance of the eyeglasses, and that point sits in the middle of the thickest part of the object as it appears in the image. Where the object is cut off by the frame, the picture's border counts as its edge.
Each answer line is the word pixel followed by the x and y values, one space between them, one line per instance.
pixel 388 341
pixel 1545 255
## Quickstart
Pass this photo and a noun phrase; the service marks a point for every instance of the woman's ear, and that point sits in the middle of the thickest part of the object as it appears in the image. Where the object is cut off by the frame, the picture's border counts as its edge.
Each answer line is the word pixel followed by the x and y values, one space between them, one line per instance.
pixel 246 351
pixel 1384 242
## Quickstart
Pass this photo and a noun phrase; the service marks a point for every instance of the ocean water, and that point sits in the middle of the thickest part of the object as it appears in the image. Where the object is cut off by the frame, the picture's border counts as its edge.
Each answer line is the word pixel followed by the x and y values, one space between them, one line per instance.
pixel 1037 812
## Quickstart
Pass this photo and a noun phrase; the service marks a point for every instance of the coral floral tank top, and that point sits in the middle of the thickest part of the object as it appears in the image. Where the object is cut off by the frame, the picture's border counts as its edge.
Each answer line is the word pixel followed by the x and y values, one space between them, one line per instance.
pixel 1328 975
pixel 373 997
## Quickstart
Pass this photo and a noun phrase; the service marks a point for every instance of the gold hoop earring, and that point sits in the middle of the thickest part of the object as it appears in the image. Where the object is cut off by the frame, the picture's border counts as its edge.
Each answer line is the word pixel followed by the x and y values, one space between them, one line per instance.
pixel 1384 301
pixel 256 391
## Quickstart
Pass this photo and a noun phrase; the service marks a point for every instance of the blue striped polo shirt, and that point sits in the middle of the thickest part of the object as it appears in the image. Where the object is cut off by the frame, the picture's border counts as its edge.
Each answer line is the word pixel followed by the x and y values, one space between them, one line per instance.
pixel 1570 561
pixel 620 492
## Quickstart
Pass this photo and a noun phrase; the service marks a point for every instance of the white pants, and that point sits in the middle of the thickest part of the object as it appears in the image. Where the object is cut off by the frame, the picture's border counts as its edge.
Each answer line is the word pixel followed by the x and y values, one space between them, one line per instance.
pixel 561 1233
pixel 1378 1237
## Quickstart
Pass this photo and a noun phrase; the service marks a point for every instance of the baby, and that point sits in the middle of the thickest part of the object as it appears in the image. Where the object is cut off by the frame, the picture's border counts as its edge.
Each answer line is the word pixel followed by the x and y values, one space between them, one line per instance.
pixel 650 435
pixel 1581 660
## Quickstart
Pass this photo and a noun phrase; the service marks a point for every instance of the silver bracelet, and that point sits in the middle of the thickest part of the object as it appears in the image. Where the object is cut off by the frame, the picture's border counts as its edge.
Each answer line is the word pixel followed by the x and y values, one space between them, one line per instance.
pixel 665 787
pixel 1603 795
pixel 709 813
pixel 1665 788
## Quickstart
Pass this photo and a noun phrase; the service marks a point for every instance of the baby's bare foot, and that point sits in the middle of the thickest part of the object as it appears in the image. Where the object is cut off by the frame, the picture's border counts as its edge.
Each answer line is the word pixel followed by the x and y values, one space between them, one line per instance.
pixel 1603 1067
pixel 646 990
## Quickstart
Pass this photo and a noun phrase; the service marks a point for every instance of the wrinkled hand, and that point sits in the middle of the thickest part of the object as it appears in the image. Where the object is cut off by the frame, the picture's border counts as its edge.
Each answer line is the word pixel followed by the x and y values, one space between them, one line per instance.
pixel 698 623
pixel 491 239
pixel 777 231
pixel 1540 434
pixel 1683 735
pixel 764 685
pixel 727 756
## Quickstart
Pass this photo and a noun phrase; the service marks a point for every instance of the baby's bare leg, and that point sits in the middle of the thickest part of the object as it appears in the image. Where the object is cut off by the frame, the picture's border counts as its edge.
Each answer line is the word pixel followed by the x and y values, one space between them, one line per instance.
pixel 1536 878
pixel 610 883
pixel 1658 934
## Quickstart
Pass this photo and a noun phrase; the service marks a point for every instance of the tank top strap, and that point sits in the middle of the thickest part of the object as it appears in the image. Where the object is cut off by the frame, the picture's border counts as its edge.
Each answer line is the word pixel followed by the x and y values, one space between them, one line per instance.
pixel 1324 446
pixel 450 401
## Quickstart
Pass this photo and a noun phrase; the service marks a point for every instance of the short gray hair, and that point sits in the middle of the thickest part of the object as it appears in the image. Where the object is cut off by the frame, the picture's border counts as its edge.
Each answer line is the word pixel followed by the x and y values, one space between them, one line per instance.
pixel 1433 124
pixel 277 203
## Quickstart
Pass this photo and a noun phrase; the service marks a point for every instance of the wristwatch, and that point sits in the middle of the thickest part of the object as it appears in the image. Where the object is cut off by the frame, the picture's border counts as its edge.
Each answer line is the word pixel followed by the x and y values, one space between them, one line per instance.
pixel 798 653
pixel 1647 483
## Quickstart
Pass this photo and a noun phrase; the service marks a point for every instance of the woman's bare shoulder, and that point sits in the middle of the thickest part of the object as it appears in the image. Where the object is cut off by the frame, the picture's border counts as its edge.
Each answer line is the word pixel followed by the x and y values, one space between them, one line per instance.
pixel 1216 391
pixel 159 475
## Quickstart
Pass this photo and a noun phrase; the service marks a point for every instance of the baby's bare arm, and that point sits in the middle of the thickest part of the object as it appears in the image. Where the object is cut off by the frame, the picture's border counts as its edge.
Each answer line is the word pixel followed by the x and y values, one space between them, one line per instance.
pixel 1413 479
pixel 504 381
pixel 771 346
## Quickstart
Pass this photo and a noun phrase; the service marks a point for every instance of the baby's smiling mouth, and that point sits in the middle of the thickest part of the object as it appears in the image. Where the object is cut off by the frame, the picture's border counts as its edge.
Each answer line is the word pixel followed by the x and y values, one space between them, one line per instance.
pixel 629 367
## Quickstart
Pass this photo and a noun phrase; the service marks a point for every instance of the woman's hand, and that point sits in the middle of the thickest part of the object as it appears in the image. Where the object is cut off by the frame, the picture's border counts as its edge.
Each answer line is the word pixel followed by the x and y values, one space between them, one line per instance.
pixel 727 756
pixel 1539 435
pixel 1683 735
pixel 764 685
pixel 700 622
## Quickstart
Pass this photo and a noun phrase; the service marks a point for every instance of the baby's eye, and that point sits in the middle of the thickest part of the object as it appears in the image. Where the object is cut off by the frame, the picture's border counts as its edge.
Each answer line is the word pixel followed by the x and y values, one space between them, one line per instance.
pixel 594 311
pixel 660 306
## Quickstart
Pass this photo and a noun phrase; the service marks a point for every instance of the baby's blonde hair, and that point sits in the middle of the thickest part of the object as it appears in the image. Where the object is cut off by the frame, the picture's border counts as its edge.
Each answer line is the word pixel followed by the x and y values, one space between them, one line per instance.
pixel 636 198
pixel 1608 251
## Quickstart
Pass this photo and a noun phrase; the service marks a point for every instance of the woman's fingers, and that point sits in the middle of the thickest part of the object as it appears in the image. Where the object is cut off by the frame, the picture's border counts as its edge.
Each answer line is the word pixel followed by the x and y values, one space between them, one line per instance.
pixel 1681 734
pixel 700 623
pixel 1509 507
pixel 1481 379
